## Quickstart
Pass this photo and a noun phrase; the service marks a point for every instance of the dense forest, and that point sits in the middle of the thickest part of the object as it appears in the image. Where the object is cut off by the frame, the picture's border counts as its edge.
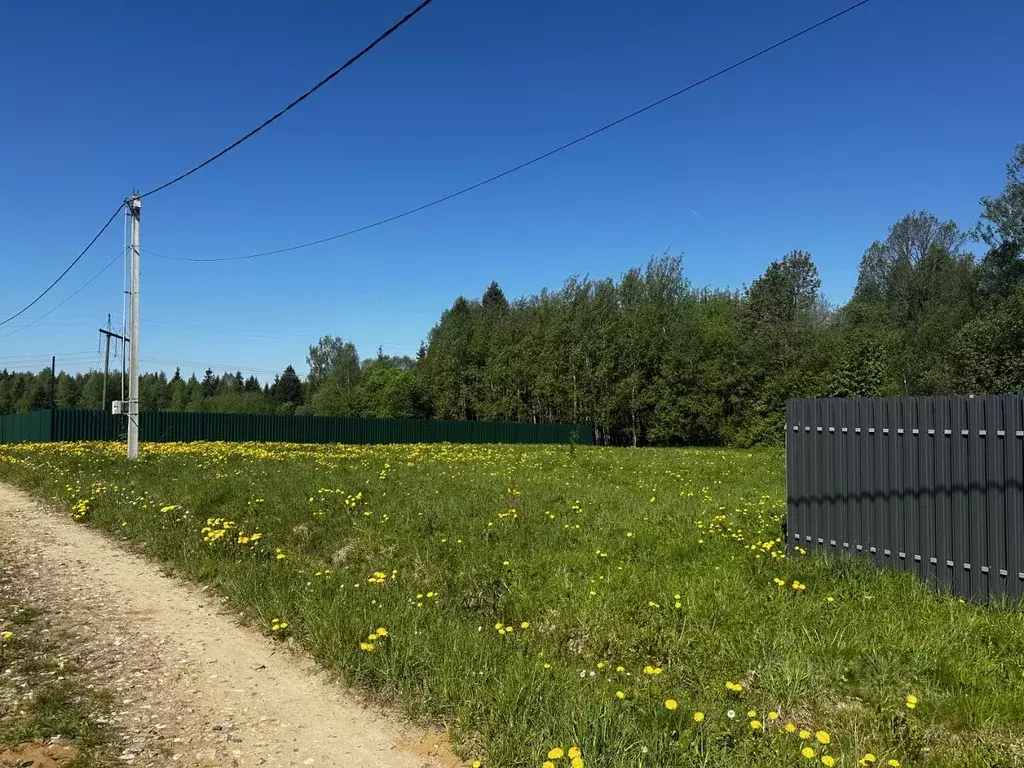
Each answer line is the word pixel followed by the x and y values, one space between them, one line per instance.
pixel 649 359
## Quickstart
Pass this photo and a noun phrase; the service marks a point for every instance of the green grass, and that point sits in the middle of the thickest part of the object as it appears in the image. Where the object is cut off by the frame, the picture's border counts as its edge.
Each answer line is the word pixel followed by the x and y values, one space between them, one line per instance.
pixel 41 696
pixel 615 558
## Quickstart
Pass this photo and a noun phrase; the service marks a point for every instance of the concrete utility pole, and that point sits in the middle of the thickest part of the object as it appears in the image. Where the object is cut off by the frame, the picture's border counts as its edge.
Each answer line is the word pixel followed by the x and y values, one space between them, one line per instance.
pixel 135 210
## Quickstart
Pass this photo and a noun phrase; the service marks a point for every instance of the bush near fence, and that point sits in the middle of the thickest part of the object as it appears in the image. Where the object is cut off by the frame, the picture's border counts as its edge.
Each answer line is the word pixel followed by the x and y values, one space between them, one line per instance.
pixel 165 426
pixel 931 485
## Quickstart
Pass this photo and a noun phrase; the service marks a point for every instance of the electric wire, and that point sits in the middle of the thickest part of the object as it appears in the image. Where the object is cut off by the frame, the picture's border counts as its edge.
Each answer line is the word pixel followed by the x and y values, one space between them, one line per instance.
pixel 538 158
pixel 89 282
pixel 60 277
pixel 202 365
pixel 380 38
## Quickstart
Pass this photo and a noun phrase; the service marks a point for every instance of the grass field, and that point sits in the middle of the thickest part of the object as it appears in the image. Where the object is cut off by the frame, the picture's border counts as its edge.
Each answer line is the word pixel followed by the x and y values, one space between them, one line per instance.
pixel 626 607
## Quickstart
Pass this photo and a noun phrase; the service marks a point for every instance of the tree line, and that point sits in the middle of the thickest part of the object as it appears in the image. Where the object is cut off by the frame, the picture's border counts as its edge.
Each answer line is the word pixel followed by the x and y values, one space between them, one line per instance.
pixel 650 359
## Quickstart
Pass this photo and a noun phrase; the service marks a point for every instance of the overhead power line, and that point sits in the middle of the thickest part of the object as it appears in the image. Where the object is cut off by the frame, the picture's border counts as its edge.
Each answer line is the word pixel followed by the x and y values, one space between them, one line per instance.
pixel 240 333
pixel 40 356
pixel 41 361
pixel 380 38
pixel 67 321
pixel 78 258
pixel 213 366
pixel 538 158
pixel 91 319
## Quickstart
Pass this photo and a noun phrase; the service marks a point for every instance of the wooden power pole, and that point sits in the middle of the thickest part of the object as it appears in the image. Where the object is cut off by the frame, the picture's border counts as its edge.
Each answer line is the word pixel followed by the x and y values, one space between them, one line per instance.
pixel 106 360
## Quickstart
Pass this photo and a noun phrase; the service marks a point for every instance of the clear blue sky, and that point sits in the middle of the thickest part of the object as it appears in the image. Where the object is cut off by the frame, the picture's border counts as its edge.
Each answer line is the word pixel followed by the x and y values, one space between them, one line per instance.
pixel 901 105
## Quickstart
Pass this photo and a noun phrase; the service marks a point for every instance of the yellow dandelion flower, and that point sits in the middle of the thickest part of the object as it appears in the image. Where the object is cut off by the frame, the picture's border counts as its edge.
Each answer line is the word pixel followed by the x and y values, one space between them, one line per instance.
pixel 828 761
pixel 755 725
pixel 808 752
pixel 822 737
pixel 893 763
pixel 752 713
pixel 671 704
pixel 557 753
pixel 620 695
pixel 867 760
pixel 805 735
pixel 548 764
pixel 790 728
pixel 525 625
pixel 773 715
pixel 911 701
pixel 576 762
pixel 574 752
pixel 698 717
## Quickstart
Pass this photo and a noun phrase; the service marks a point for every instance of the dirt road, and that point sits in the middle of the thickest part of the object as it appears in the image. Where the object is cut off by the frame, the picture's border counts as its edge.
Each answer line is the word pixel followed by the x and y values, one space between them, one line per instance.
pixel 192 686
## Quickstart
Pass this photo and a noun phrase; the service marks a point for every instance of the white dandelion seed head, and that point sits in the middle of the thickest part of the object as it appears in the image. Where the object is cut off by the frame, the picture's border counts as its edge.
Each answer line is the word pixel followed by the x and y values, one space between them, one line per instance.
pixel 731 714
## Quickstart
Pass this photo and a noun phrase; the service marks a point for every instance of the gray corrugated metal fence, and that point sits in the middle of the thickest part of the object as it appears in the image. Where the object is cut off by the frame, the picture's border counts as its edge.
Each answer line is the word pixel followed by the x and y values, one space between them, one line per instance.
pixel 931 485
pixel 165 426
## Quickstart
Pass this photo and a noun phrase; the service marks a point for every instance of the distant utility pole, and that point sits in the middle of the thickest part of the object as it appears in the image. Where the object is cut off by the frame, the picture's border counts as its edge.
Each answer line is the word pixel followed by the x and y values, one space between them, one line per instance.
pixel 135 210
pixel 106 360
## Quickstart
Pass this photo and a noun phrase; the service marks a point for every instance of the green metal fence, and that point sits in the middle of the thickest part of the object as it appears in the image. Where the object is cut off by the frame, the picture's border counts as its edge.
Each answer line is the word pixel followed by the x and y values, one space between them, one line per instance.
pixel 164 426
pixel 34 427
